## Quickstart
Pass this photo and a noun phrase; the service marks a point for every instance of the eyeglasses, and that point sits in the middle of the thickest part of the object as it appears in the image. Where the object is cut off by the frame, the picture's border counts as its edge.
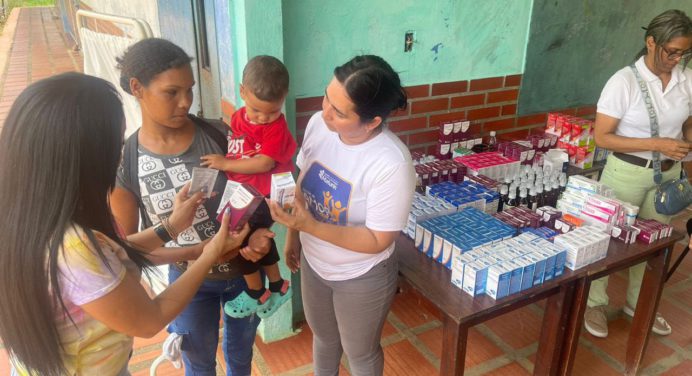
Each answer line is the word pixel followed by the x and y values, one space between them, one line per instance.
pixel 675 54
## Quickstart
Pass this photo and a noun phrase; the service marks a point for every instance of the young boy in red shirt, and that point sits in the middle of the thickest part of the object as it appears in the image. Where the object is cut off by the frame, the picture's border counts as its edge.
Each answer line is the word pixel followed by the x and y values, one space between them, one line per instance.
pixel 259 145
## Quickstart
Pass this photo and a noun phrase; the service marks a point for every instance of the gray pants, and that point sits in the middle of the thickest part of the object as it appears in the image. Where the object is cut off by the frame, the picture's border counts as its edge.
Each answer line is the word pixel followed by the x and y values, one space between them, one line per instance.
pixel 348 316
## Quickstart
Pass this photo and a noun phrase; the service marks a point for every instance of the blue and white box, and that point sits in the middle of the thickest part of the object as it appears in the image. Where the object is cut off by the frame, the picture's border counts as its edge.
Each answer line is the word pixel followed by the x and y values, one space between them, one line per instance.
pixel 528 272
pixel 515 280
pixel 475 277
pixel 497 285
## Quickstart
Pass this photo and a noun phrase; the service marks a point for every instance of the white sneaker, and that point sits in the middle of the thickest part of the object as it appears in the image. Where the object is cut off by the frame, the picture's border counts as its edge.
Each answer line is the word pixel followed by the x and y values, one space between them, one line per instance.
pixel 660 327
pixel 596 321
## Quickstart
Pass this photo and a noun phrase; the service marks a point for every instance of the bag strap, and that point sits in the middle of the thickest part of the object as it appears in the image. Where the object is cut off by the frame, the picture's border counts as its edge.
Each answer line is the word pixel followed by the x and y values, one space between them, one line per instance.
pixel 215 129
pixel 131 156
pixel 653 119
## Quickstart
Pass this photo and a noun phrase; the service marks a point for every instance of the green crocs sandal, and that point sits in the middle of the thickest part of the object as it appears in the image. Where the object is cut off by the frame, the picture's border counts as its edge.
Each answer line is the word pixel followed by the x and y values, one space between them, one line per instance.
pixel 276 300
pixel 244 305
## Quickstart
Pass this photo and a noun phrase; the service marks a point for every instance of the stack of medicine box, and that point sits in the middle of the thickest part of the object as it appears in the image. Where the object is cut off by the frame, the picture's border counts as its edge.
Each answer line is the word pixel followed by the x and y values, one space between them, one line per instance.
pixel 426 207
pixel 584 246
pixel 490 164
pixel 594 203
pixel 443 238
pixel 508 267
pixel 466 194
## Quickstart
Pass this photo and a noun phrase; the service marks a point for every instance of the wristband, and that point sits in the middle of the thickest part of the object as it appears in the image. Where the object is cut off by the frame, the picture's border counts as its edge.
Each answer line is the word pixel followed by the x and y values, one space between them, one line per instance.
pixel 169 228
pixel 162 233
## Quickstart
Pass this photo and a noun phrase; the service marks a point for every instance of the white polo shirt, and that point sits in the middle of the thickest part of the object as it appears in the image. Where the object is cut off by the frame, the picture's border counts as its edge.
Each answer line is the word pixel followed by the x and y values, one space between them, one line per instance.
pixel 622 99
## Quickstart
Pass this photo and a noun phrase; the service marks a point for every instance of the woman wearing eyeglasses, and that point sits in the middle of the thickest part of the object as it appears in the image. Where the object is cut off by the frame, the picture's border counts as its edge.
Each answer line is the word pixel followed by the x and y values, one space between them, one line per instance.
pixel 623 126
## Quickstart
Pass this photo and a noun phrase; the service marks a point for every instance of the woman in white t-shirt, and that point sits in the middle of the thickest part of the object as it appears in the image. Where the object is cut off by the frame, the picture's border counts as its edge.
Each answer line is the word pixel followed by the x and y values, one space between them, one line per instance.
pixel 623 126
pixel 354 194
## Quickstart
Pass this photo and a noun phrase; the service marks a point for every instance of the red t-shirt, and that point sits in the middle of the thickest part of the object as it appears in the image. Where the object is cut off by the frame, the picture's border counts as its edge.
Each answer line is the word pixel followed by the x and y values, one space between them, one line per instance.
pixel 245 140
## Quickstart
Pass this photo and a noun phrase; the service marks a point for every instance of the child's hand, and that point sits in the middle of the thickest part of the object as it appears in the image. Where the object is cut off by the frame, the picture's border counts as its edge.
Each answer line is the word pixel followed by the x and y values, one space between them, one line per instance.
pixel 215 161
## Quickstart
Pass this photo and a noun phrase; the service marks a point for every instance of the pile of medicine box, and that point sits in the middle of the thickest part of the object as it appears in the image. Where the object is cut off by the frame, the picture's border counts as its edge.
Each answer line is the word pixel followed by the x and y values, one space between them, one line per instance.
pixel 594 203
pixel 445 237
pixel 490 164
pixel 520 151
pixel 455 134
pixel 466 194
pixel 584 245
pixel 425 207
pixel 508 267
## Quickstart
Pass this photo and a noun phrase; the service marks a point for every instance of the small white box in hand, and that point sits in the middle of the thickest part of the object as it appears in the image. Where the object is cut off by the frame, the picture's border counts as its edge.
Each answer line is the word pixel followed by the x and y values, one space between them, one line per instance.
pixel 283 189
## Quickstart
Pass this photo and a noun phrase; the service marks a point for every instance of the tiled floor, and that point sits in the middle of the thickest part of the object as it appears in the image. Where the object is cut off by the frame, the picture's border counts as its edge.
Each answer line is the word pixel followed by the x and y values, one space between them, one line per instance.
pixel 412 334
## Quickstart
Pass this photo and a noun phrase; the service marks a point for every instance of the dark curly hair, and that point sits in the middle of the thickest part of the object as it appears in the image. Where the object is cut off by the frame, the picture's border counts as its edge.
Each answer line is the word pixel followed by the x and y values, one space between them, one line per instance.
pixel 373 86
pixel 147 58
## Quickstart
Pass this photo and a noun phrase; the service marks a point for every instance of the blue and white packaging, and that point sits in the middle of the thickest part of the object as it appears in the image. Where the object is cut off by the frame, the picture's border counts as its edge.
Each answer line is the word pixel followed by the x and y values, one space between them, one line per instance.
pixel 539 270
pixel 528 272
pixel 475 277
pixel 446 256
pixel 560 259
pixel 549 265
pixel 515 280
pixel 497 285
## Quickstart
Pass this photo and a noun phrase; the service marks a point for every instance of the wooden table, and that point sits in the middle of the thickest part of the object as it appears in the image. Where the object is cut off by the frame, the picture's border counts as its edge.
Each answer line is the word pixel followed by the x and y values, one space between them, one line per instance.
pixel 564 310
pixel 621 256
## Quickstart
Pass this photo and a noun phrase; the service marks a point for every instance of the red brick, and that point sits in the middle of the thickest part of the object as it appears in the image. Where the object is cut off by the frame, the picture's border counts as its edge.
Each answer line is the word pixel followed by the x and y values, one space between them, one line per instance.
pixel 468 100
pixel 484 113
pixel 509 109
pixel 586 111
pixel 403 138
pixel 302 122
pixel 429 105
pixel 498 125
pixel 503 96
pixel 487 83
pixel 308 104
pixel 436 120
pixel 531 120
pixel 417 91
pixel 450 87
pixel 513 80
pixel 408 124
pixel 423 137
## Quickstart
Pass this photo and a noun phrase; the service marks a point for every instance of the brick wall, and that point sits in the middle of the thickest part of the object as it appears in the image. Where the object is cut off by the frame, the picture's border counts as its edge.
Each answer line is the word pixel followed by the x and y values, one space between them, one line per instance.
pixel 489 103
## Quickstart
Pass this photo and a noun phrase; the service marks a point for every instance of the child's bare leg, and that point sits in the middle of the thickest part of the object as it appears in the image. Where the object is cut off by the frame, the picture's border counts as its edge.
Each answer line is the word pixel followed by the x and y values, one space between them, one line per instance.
pixel 254 281
pixel 272 271
pixel 276 283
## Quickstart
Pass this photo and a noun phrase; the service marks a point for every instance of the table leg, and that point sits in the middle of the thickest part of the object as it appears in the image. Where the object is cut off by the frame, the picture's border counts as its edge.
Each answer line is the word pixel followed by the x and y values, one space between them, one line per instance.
pixel 454 336
pixel 573 329
pixel 645 313
pixel 555 321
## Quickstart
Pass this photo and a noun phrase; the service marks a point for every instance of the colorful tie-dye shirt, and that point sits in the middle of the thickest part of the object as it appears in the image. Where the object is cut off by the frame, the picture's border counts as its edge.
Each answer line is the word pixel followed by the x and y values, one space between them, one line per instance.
pixel 91 348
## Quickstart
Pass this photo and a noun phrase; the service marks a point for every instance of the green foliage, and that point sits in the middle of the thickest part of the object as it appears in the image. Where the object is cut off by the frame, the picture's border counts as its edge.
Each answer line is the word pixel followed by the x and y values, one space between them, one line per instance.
pixel 31 3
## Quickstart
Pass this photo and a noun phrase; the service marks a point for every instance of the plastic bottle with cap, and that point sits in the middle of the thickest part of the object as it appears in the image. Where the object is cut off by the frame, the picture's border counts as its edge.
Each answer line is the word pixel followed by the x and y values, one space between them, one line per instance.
pixel 492 141
pixel 523 198
pixel 504 192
